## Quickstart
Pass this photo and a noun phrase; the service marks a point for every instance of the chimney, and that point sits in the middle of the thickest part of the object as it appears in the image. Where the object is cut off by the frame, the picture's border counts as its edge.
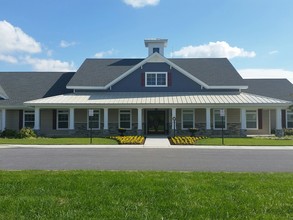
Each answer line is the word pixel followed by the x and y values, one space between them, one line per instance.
pixel 156 45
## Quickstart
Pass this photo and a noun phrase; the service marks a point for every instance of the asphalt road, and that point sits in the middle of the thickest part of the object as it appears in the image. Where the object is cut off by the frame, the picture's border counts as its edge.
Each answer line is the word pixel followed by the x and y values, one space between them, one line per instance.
pixel 147 159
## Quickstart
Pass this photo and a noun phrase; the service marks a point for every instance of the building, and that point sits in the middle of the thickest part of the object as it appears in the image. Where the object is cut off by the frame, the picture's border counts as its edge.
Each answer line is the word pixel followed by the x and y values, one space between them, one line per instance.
pixel 155 95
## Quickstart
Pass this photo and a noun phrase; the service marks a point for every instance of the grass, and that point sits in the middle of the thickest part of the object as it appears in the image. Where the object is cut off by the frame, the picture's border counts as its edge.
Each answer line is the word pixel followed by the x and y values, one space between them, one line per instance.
pixel 144 195
pixel 249 141
pixel 54 141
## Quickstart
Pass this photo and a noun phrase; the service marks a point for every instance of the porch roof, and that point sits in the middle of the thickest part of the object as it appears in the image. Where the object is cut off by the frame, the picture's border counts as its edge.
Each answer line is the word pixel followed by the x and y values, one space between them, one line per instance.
pixel 154 98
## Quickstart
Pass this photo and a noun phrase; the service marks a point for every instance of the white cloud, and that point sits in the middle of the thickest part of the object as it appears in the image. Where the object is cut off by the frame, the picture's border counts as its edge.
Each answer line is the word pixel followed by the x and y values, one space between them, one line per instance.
pixel 141 3
pixel 213 49
pixel 105 53
pixel 13 39
pixel 266 73
pixel 8 58
pixel 273 52
pixel 48 64
pixel 65 44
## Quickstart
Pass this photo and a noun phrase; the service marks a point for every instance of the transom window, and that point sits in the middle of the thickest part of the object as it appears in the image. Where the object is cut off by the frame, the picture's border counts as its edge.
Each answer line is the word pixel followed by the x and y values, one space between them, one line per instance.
pixel 125 119
pixel 29 119
pixel 94 121
pixel 289 119
pixel 187 118
pixel 156 79
pixel 218 119
pixel 251 119
pixel 62 119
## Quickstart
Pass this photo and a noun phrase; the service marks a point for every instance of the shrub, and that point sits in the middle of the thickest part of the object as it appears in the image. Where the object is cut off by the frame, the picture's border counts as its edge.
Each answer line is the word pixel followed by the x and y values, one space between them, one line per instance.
pixel 184 140
pixel 27 133
pixel 288 131
pixel 9 133
pixel 129 139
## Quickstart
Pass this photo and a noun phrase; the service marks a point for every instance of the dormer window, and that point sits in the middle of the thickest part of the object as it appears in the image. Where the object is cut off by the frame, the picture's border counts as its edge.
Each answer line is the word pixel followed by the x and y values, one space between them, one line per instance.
pixel 156 49
pixel 156 79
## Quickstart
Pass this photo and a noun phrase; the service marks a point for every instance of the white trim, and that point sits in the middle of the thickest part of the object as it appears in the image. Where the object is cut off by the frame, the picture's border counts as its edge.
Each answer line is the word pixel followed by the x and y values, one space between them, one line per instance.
pixel 278 118
pixel 186 109
pixel 57 119
pixel 139 119
pixel 156 75
pixel 208 118
pixel 28 112
pixel 226 116
pixel 256 113
pixel 88 121
pixel 130 112
pixel 290 113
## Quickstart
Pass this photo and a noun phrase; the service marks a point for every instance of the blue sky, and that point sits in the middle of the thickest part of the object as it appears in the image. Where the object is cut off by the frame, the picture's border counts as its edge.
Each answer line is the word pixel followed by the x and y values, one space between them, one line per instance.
pixel 54 35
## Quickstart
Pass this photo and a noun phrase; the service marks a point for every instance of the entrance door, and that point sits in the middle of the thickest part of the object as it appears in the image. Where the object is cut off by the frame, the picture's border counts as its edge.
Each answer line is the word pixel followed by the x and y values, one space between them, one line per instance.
pixel 156 122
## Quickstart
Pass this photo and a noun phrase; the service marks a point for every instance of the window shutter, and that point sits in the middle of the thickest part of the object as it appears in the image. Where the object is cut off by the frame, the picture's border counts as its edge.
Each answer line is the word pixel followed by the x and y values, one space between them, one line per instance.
pixel 142 80
pixel 54 119
pixel 283 118
pixel 169 79
pixel 259 118
pixel 20 125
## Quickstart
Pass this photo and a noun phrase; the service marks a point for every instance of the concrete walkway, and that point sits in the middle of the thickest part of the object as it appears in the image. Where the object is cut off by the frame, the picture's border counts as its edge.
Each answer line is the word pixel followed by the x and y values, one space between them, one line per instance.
pixel 157 141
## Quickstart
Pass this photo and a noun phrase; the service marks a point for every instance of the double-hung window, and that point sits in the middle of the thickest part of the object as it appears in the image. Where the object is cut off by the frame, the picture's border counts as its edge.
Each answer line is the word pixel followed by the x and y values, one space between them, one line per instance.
pixel 62 119
pixel 125 119
pixel 289 119
pixel 94 121
pixel 219 120
pixel 187 118
pixel 29 119
pixel 156 79
pixel 251 119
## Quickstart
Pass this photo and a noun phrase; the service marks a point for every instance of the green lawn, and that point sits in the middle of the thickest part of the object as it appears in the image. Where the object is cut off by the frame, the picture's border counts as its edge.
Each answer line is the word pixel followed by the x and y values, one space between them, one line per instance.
pixel 144 195
pixel 62 141
pixel 247 141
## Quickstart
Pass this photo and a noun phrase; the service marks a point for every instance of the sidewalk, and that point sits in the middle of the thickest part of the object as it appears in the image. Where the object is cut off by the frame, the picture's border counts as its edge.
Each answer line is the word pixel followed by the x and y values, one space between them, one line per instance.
pixel 5 146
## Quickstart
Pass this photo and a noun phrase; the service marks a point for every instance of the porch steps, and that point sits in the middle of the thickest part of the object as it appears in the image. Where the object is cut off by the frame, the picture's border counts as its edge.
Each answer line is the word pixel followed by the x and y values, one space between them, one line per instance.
pixel 157 142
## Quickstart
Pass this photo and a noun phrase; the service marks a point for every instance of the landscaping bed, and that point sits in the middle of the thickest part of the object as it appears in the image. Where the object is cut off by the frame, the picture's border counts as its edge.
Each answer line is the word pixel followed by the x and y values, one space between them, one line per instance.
pixel 185 140
pixel 129 139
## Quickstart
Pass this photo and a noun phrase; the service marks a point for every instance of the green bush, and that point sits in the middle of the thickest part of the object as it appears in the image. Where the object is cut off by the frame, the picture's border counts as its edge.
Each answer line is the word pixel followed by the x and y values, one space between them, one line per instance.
pixel 288 132
pixel 9 133
pixel 27 133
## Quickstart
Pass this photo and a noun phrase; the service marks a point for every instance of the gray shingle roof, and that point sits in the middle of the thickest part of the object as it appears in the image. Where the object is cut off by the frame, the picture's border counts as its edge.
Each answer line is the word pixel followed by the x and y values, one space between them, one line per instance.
pixel 275 88
pixel 25 86
pixel 212 71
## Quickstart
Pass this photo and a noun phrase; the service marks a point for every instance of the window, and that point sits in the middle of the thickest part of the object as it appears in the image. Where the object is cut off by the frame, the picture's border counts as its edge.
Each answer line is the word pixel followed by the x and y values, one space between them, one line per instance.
pixel 62 119
pixel 29 119
pixel 156 49
pixel 156 79
pixel 218 119
pixel 94 121
pixel 251 119
pixel 289 119
pixel 125 119
pixel 187 118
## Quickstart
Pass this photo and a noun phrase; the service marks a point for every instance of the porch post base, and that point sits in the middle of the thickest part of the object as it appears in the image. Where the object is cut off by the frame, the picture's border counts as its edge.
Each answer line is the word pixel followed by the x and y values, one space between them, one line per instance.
pixel 106 132
pixel 279 132
pixel 139 132
pixel 208 132
pixel 243 133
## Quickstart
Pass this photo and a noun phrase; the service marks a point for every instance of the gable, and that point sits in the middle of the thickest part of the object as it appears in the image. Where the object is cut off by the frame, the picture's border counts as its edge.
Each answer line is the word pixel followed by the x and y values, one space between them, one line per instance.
pixel 209 73
pixel 176 81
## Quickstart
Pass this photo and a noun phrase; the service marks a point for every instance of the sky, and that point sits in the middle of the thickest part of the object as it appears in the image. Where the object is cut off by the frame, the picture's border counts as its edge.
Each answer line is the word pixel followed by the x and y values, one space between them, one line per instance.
pixel 58 35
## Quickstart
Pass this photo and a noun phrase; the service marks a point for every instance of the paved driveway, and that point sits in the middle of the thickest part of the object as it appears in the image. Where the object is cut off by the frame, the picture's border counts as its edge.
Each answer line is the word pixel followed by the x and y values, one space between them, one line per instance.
pixel 147 159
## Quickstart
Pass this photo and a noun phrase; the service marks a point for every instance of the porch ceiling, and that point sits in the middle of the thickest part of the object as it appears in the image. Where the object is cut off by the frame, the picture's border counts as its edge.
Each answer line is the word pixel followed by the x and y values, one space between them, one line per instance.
pixel 161 98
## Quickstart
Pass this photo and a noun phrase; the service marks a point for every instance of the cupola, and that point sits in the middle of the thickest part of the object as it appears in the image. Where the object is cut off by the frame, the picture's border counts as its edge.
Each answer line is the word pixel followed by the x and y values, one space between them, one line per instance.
pixel 156 45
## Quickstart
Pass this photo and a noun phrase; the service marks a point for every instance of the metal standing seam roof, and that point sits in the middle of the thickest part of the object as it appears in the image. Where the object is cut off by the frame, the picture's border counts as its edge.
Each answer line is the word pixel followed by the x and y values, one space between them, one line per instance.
pixel 145 98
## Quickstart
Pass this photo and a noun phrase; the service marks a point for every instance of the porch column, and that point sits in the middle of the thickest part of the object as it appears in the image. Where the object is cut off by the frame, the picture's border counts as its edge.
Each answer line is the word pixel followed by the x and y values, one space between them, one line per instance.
pixel 139 121
pixel 3 120
pixel 71 119
pixel 243 122
pixel 208 118
pixel 106 116
pixel 172 121
pixel 37 119
pixel 279 130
